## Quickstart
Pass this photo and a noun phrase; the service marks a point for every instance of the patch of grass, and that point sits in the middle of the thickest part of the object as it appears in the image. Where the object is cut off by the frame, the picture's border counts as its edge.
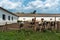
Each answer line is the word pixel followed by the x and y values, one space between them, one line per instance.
pixel 29 35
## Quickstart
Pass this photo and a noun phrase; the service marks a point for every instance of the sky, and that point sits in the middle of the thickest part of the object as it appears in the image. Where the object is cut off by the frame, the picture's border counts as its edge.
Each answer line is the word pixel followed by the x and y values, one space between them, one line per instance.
pixel 28 6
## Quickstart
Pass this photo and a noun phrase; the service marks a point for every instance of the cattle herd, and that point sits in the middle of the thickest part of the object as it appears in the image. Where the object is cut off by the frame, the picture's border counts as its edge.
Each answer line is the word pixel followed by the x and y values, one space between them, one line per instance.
pixel 42 25
pixel 34 25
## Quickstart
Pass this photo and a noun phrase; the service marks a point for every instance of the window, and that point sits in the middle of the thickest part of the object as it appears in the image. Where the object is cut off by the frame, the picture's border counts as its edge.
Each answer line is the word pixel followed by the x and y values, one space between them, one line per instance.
pixel 42 18
pixel 12 18
pixel 8 17
pixel 4 17
pixel 51 19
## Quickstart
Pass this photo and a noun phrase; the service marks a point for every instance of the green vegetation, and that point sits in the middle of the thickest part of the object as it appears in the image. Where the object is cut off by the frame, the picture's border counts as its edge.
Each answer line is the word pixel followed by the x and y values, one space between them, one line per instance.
pixel 29 35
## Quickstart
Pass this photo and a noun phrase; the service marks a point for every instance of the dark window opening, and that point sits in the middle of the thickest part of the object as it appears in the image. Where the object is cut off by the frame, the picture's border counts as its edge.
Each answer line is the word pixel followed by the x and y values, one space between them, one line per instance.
pixel 51 19
pixel 42 19
pixel 8 17
pixel 12 18
pixel 4 17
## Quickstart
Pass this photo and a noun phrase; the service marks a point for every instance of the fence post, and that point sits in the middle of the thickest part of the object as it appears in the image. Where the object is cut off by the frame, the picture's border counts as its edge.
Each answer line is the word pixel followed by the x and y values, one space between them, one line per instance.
pixel 5 27
pixel 55 24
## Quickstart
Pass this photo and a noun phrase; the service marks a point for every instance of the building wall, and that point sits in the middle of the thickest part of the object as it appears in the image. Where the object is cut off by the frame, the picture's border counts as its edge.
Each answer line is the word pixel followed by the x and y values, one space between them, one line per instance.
pixel 25 18
pixel 39 18
pixel 2 22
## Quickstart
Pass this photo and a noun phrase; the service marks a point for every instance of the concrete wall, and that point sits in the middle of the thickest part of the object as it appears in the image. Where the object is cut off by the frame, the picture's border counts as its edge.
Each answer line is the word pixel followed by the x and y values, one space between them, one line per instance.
pixel 39 18
pixel 3 22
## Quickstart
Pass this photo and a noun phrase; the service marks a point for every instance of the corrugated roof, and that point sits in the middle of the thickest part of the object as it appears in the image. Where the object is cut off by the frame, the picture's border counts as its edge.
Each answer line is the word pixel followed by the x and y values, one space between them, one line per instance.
pixel 8 11
pixel 38 15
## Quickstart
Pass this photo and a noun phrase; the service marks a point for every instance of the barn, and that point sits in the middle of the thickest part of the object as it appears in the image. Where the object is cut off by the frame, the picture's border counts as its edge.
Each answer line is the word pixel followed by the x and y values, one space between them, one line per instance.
pixel 46 17
pixel 49 20
pixel 7 17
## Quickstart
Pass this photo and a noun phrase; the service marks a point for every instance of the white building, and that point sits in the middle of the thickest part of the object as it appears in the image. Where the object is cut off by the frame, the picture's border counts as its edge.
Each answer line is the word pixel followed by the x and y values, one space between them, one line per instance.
pixel 46 17
pixel 7 17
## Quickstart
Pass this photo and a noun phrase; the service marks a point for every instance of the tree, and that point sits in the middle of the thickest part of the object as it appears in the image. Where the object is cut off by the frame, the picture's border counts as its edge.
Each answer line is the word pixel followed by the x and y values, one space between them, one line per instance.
pixel 34 11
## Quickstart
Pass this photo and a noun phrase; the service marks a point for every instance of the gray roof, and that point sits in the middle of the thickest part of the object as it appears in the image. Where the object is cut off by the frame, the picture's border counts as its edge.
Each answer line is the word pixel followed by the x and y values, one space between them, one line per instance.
pixel 8 11
pixel 38 15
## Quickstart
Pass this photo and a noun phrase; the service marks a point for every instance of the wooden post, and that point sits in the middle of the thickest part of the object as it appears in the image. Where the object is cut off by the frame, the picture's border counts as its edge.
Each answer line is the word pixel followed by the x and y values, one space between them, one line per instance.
pixel 5 27
pixel 35 23
pixel 55 24
pixel 42 24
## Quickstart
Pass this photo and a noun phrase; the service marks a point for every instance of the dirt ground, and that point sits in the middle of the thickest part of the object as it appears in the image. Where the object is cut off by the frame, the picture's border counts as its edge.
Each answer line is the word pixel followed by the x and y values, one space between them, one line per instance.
pixel 27 25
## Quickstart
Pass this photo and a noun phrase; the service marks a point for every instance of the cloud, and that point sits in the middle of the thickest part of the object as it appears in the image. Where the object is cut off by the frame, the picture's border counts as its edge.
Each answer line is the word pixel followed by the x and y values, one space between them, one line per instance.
pixel 25 5
pixel 35 4
pixel 41 4
pixel 44 5
pixel 9 4
pixel 28 7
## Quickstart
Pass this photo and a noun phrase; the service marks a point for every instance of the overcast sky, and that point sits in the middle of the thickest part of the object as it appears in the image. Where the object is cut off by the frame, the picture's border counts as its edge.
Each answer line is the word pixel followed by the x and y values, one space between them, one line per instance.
pixel 41 6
